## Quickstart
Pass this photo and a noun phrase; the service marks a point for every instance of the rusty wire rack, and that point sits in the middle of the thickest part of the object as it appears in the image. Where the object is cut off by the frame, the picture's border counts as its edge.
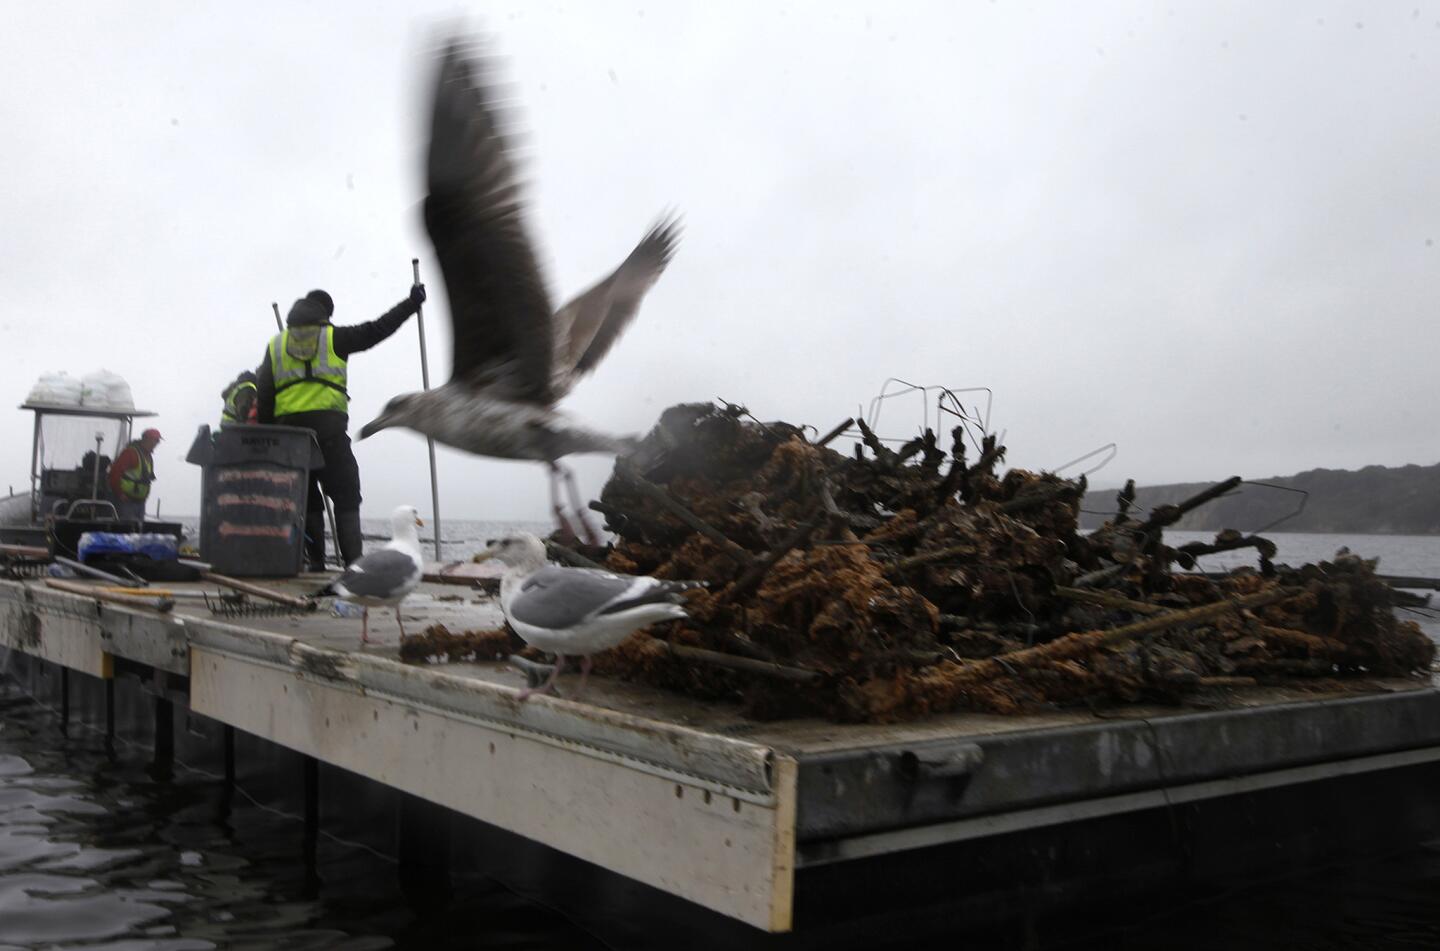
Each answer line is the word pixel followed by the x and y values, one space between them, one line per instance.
pixel 237 605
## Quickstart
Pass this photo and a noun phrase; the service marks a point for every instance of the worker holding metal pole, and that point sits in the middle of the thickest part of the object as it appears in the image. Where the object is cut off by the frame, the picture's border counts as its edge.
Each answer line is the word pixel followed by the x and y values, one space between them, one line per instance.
pixel 430 442
pixel 303 380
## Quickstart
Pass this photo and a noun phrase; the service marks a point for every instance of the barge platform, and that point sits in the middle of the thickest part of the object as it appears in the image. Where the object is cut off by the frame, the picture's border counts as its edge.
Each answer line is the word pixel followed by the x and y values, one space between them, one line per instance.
pixel 777 825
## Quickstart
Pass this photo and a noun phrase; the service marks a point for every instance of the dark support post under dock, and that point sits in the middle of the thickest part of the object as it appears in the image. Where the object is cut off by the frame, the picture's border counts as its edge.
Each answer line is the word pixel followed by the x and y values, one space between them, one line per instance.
pixel 424 845
pixel 64 701
pixel 162 766
pixel 311 771
pixel 227 734
pixel 227 755
pixel 110 709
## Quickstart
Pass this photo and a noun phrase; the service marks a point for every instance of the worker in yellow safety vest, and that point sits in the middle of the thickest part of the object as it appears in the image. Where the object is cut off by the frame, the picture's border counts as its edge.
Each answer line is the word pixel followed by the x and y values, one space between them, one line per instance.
pixel 304 381
pixel 240 399
pixel 131 475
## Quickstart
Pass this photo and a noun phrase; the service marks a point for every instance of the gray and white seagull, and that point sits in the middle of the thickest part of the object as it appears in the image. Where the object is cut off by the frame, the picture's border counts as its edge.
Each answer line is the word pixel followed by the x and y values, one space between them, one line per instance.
pixel 384 576
pixel 515 355
pixel 576 611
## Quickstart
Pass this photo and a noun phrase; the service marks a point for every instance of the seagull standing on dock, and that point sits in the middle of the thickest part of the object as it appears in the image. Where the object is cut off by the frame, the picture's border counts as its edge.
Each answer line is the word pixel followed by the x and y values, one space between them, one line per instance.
pixel 384 576
pixel 515 356
pixel 570 611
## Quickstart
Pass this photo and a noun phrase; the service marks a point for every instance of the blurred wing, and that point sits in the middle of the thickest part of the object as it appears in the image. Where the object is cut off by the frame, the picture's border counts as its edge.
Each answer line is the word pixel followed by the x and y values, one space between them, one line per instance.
pixel 499 308
pixel 587 327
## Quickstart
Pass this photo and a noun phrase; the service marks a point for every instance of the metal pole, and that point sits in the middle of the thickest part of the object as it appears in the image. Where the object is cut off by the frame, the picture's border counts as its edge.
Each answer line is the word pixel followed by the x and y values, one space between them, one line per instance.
pixel 425 381
pixel 278 325
pixel 334 532
pixel 95 480
pixel 35 473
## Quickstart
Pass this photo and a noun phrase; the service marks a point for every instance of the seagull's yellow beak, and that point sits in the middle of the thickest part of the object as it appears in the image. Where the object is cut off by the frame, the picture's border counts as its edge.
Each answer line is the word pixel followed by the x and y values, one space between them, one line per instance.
pixel 485 555
pixel 419 521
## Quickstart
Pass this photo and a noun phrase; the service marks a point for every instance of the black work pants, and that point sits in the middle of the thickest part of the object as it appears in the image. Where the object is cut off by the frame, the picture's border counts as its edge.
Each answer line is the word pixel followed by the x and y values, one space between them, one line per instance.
pixel 339 479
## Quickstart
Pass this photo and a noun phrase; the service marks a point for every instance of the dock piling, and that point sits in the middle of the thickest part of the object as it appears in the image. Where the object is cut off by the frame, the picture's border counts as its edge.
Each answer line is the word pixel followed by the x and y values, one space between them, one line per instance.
pixel 311 772
pixel 162 766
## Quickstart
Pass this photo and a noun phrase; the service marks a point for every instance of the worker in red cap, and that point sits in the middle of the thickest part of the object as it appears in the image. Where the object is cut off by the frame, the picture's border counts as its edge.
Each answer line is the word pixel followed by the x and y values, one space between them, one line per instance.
pixel 131 475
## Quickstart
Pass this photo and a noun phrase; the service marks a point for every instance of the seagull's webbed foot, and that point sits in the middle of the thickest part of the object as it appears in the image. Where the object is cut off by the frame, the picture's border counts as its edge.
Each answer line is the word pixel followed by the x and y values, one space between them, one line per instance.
pixel 532 676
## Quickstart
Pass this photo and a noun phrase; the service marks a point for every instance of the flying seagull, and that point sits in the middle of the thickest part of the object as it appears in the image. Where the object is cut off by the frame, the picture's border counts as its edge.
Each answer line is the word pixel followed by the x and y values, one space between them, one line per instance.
pixel 576 611
pixel 386 575
pixel 515 355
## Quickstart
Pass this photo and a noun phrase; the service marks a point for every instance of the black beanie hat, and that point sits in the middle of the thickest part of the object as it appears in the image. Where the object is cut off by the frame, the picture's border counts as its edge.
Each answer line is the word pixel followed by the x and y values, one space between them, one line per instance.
pixel 323 299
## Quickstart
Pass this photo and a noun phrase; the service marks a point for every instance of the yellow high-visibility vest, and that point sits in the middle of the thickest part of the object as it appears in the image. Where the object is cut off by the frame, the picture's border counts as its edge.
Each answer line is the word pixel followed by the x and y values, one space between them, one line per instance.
pixel 135 481
pixel 309 375
pixel 231 413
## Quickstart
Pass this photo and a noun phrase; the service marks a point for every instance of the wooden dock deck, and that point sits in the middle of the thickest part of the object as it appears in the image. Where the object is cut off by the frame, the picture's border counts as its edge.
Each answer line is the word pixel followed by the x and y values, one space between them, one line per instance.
pixel 693 798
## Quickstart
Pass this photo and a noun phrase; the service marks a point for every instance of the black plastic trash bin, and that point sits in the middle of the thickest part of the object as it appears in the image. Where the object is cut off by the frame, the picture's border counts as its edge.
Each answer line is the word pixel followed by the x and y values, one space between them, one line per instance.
pixel 253 494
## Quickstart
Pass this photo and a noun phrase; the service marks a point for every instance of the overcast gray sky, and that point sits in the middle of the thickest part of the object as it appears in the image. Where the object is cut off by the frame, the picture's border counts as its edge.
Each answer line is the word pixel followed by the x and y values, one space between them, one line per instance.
pixel 1205 231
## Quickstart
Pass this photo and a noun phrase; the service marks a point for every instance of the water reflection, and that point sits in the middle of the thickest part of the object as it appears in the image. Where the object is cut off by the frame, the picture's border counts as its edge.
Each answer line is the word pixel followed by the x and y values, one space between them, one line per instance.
pixel 95 853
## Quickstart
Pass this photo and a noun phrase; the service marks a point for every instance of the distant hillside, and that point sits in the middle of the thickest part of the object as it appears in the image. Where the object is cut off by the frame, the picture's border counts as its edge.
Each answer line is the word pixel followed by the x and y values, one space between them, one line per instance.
pixel 1374 500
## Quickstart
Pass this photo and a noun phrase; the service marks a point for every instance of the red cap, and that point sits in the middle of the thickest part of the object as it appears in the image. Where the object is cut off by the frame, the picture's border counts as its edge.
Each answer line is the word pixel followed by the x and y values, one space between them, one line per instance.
pixel 149 433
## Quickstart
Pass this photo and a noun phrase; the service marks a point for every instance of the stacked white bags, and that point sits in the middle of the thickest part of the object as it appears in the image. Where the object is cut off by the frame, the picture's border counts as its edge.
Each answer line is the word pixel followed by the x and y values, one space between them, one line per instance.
pixel 105 390
pixel 99 390
pixel 55 389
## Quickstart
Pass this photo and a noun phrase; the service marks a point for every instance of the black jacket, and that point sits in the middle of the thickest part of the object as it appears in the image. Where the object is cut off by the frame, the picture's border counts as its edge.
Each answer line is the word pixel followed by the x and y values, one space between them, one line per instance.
pixel 348 340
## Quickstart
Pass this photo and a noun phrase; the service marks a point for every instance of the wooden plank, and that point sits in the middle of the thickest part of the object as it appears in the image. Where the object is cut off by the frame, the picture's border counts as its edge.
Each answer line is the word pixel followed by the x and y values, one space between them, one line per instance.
pixel 63 629
pixel 161 604
pixel 461 572
pixel 733 856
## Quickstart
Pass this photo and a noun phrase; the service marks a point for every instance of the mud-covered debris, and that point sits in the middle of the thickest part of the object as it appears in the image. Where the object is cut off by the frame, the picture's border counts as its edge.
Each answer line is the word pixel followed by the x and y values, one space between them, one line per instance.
pixel 437 643
pixel 910 580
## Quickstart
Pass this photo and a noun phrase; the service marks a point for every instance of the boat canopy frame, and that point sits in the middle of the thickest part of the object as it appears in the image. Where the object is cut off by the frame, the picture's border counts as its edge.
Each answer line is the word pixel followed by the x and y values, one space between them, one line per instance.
pixel 125 417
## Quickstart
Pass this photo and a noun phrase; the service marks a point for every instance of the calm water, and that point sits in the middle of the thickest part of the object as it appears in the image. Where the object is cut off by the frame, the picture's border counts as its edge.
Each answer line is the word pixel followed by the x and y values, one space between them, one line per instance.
pixel 95 853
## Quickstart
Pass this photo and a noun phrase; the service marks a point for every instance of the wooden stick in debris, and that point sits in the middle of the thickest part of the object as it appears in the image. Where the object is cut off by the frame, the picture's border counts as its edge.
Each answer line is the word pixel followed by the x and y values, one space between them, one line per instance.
pixel 1039 497
pixel 1073 645
pixel 24 551
pixel 1222 542
pixel 623 522
pixel 883 454
pixel 833 434
pixel 161 604
pixel 746 664
pixel 1191 617
pixel 838 519
pixel 1123 501
pixel 1106 600
pixel 571 557
pixel 756 572
pixel 1170 514
pixel 1410 581
pixel 1100 575
pixel 667 502
pixel 1304 640
pixel 990 454
pixel 299 604
pixel 924 558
